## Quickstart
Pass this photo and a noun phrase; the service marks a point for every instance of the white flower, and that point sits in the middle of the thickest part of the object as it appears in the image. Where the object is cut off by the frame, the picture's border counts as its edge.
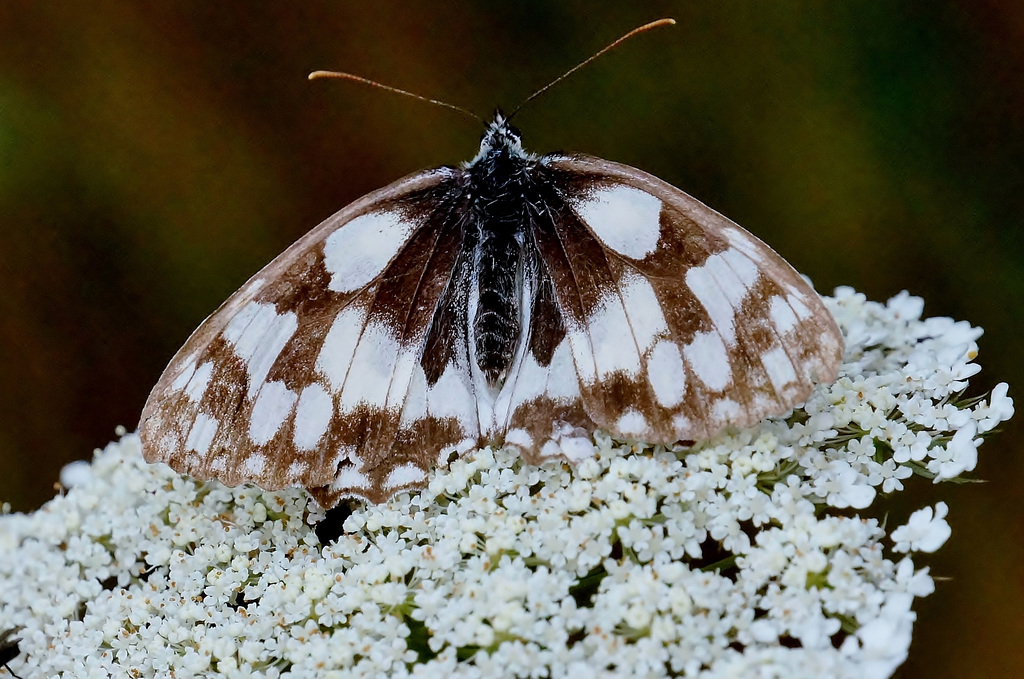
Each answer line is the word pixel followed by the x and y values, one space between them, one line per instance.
pixel 999 409
pixel 916 582
pixel 703 562
pixel 842 486
pixel 75 473
pixel 959 455
pixel 892 475
pixel 884 641
pixel 926 531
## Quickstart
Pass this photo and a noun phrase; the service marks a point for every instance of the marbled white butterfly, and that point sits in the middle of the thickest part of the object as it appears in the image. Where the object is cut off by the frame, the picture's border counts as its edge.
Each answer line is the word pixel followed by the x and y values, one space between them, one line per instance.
pixel 515 300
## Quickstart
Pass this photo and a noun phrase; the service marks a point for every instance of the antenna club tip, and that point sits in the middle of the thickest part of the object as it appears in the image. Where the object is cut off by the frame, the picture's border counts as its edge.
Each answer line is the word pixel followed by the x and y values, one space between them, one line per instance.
pixel 667 21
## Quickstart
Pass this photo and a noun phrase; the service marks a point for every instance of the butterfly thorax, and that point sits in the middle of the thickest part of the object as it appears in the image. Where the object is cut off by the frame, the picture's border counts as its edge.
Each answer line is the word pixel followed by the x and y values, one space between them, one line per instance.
pixel 501 186
pixel 501 137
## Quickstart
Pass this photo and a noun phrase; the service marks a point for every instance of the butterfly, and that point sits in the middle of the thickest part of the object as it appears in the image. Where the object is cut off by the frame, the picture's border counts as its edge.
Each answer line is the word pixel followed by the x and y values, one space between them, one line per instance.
pixel 515 300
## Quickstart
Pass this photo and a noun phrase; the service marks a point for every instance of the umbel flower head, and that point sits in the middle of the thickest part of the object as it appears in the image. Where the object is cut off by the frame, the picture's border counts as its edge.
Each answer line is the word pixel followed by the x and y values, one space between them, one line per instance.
pixel 743 556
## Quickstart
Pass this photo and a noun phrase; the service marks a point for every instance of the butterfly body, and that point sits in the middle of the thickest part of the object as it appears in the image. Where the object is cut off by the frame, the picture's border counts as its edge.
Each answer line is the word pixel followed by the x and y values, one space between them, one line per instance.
pixel 499 185
pixel 516 300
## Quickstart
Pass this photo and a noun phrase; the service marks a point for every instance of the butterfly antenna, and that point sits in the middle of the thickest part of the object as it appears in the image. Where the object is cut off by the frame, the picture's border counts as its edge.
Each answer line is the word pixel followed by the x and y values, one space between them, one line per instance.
pixel 316 75
pixel 635 31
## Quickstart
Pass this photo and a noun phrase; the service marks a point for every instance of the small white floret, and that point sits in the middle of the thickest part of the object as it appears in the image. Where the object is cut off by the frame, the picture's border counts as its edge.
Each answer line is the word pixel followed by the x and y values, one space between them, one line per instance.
pixel 926 531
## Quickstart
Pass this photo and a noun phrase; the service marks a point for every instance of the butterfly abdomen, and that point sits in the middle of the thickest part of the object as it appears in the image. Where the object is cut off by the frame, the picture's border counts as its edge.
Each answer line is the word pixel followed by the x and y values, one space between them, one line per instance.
pixel 501 220
pixel 496 325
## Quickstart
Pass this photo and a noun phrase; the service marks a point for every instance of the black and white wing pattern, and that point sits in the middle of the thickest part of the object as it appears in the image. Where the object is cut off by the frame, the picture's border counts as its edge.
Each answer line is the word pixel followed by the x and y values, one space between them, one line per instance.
pixel 517 300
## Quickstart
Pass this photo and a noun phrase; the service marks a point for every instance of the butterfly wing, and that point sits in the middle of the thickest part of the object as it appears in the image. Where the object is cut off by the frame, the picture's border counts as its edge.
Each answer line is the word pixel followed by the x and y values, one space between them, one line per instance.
pixel 312 374
pixel 673 322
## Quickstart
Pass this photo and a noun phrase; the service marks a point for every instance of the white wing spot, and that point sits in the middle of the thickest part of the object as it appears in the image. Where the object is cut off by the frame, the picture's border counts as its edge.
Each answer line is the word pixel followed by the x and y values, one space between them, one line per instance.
pixel 258 334
pixel 799 308
pixel 744 270
pixel 350 477
pixel 527 383
pixel 359 251
pixel 297 469
pixel 452 396
pixel 666 373
pixel 681 423
pixel 557 381
pixel 726 410
pixel 373 364
pixel 335 355
pixel 402 375
pixel 185 372
pixel 624 218
pixel 779 368
pixel 761 403
pixel 713 299
pixel 830 343
pixel 520 438
pixel 613 343
pixel 643 309
pixel 709 360
pixel 404 475
pixel 345 453
pixel 415 406
pixel 721 284
pixel 254 464
pixel 459 449
pixel 631 423
pixel 582 353
pixel 563 383
pixel 199 382
pixel 313 415
pixel 782 315
pixel 272 407
pixel 746 243
pixel 239 322
pixel 281 329
pixel 200 436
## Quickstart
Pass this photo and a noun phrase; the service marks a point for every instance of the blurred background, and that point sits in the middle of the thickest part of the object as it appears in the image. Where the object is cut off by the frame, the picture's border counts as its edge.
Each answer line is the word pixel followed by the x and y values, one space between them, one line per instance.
pixel 155 155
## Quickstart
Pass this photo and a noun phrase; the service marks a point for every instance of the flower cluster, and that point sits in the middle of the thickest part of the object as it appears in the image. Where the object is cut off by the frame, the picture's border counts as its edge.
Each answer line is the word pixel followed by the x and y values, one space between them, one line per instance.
pixel 742 556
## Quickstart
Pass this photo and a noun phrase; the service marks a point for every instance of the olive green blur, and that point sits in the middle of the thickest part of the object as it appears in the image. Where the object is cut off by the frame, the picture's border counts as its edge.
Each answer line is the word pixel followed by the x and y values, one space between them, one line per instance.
pixel 155 155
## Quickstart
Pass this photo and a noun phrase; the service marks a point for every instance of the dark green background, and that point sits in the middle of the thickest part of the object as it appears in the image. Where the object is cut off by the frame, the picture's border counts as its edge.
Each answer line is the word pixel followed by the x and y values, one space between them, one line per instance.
pixel 154 155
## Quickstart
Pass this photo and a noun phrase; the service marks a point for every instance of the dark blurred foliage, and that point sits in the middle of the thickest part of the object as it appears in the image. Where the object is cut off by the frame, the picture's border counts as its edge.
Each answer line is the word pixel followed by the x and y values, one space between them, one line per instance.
pixel 154 155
